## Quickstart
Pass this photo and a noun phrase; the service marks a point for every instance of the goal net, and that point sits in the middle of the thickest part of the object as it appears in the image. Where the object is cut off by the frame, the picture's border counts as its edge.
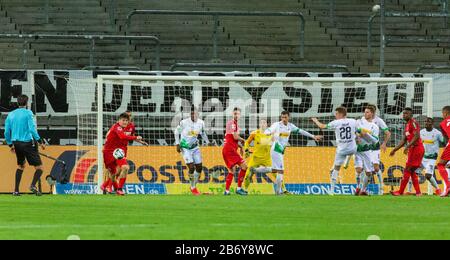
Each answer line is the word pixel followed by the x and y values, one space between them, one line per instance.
pixel 159 103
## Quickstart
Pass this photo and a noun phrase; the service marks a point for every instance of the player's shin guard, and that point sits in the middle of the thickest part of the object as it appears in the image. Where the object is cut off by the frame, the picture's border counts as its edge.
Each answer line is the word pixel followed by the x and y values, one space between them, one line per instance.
pixel 36 178
pixel 444 174
pixel 405 181
pixel 241 178
pixel 415 180
pixel 19 173
pixel 229 180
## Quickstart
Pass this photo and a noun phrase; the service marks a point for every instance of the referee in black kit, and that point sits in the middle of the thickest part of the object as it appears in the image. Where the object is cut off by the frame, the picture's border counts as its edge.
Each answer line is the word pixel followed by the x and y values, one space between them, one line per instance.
pixel 22 137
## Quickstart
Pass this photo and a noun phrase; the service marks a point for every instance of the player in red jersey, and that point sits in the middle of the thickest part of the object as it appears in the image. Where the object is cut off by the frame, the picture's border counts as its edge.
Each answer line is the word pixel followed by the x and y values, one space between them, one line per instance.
pixel 118 138
pixel 414 149
pixel 233 159
pixel 130 130
pixel 445 157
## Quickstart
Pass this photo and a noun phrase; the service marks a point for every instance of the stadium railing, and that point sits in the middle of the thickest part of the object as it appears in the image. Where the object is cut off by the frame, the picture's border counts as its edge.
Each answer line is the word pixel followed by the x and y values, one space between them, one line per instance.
pixel 91 38
pixel 445 13
pixel 216 16
pixel 260 66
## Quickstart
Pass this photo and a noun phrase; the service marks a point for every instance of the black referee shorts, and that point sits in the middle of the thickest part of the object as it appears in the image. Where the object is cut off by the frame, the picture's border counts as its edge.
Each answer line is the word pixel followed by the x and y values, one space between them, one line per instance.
pixel 27 151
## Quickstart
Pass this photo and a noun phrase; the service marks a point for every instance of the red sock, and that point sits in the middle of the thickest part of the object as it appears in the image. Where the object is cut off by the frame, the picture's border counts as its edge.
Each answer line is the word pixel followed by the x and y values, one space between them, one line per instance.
pixel 230 178
pixel 405 180
pixel 444 174
pixel 121 183
pixel 241 177
pixel 415 180
pixel 115 185
pixel 106 184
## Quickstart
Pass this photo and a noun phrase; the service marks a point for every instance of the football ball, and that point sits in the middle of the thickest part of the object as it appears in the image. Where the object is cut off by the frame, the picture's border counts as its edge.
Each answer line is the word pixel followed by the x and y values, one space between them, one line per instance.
pixel 376 8
pixel 119 154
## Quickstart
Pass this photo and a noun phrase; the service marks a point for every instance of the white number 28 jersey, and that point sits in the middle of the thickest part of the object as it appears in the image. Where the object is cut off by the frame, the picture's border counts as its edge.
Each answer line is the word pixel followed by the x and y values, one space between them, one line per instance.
pixel 345 130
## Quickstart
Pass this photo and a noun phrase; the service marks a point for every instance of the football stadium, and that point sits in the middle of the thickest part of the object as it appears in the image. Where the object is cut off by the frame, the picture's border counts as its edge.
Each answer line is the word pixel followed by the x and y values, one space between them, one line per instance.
pixel 225 120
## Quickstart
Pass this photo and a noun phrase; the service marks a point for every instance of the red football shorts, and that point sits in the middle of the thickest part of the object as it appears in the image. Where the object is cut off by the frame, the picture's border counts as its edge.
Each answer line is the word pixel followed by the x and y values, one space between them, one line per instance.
pixel 112 163
pixel 232 158
pixel 415 157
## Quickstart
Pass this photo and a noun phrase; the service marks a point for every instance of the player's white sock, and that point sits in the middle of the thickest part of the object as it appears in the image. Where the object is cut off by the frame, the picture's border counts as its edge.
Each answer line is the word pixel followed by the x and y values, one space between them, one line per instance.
pixel 196 177
pixel 380 178
pixel 365 182
pixel 358 180
pixel 334 178
pixel 410 186
pixel 434 182
pixel 279 181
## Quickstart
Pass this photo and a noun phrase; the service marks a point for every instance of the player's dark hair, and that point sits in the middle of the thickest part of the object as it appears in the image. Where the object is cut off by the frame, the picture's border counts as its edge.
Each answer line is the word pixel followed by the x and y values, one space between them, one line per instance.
pixel 124 116
pixel 285 113
pixel 342 110
pixel 446 109
pixel 237 109
pixel 408 109
pixel 430 119
pixel 22 100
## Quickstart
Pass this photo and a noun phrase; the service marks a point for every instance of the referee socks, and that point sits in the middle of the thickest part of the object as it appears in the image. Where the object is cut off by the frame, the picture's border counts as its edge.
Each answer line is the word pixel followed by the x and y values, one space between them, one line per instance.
pixel 36 178
pixel 19 173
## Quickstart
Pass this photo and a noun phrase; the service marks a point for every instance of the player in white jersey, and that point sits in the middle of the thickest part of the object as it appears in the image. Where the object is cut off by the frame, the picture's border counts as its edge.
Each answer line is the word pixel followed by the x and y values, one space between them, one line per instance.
pixel 368 138
pixel 431 138
pixel 376 156
pixel 345 130
pixel 188 144
pixel 282 131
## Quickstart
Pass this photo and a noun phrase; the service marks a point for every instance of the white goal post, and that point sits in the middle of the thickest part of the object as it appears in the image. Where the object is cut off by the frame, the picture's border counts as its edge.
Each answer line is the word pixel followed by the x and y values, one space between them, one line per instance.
pixel 256 82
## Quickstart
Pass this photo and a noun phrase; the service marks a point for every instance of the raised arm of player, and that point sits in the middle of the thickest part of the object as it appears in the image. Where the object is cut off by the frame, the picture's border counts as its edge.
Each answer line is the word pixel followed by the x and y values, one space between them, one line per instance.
pixel 319 124
pixel 204 135
pixel 177 133
pixel 307 134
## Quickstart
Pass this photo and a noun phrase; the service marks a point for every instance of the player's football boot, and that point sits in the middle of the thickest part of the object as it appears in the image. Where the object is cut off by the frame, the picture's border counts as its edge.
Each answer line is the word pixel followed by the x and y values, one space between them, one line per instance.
pixel 446 193
pixel 227 193
pixel 16 194
pixel 35 191
pixel 438 192
pixel 195 192
pixel 106 190
pixel 396 193
pixel 120 193
pixel 363 193
pixel 241 192
pixel 419 195
pixel 357 192
pixel 287 192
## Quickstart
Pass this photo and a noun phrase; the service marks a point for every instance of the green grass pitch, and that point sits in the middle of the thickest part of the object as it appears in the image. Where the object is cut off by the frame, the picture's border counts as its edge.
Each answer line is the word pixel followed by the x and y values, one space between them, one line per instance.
pixel 219 217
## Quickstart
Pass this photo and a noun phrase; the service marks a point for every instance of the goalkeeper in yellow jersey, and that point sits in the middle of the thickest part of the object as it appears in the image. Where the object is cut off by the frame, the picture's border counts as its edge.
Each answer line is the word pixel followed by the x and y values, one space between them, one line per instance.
pixel 260 160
